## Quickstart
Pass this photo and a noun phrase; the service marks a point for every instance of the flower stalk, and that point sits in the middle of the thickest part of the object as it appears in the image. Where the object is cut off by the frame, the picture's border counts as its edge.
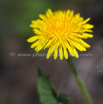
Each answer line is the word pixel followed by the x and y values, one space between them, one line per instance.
pixel 80 83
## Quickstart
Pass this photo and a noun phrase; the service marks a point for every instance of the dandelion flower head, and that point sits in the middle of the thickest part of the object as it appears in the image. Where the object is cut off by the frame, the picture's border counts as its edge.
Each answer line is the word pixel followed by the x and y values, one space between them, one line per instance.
pixel 61 32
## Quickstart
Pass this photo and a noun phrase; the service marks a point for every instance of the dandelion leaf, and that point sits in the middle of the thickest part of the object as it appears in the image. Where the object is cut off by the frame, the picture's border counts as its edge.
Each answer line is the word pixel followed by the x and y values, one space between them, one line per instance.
pixel 46 91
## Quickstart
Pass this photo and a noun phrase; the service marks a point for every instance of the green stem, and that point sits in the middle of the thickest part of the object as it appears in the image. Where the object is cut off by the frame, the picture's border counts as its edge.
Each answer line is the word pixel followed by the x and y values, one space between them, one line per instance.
pixel 80 83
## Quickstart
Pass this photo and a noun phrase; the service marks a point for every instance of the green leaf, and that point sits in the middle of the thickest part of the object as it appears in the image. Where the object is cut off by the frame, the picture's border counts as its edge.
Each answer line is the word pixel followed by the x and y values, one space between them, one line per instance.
pixel 46 91
pixel 63 98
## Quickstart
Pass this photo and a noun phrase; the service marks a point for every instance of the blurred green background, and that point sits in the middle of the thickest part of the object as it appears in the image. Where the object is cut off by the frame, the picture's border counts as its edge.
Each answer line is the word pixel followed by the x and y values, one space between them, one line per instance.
pixel 18 75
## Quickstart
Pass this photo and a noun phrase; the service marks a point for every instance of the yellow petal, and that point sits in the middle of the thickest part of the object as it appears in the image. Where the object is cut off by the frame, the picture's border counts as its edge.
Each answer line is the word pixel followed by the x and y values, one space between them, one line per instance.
pixel 84 36
pixel 65 49
pixel 50 51
pixel 71 14
pixel 36 31
pixel 33 21
pixel 68 12
pixel 87 35
pixel 55 53
pixel 79 46
pixel 88 31
pixel 69 48
pixel 32 39
pixel 85 21
pixel 65 53
pixel 49 13
pixel 81 36
pixel 75 52
pixel 49 43
pixel 32 25
pixel 77 16
pixel 88 26
pixel 61 53
pixel 35 44
pixel 41 16
pixel 84 43
pixel 38 48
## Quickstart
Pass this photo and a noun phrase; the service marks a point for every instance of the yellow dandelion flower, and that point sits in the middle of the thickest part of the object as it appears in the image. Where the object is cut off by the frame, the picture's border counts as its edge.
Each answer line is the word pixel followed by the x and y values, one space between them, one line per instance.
pixel 61 32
